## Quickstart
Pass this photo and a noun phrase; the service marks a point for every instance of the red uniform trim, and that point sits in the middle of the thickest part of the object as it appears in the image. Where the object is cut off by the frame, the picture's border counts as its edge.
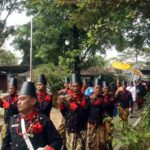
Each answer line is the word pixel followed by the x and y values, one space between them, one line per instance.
pixel 6 104
pixel 49 148
pixel 73 106
pixel 61 107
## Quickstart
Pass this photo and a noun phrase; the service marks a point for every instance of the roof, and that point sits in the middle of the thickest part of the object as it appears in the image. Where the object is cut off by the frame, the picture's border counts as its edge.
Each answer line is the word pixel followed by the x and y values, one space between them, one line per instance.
pixel 14 69
pixel 146 70
pixel 94 71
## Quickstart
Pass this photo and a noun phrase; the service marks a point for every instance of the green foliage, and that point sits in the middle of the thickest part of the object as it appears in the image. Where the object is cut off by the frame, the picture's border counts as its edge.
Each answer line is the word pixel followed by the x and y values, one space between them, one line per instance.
pixel 90 26
pixel 7 58
pixel 94 61
pixel 136 138
pixel 6 9
pixel 54 75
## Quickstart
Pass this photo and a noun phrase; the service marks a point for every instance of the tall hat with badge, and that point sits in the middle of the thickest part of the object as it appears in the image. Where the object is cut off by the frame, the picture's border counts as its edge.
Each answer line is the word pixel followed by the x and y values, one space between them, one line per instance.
pixel 98 82
pixel 124 83
pixel 105 84
pixel 75 78
pixel 84 82
pixel 42 79
pixel 13 82
pixel 28 88
pixel 66 80
pixel 76 71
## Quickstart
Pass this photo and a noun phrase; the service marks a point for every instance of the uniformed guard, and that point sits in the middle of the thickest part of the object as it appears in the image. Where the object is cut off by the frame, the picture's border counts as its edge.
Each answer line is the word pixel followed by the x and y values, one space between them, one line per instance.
pixel 75 109
pixel 61 94
pixel 30 129
pixel 109 99
pixel 109 106
pixel 95 131
pixel 84 85
pixel 66 90
pixel 10 102
pixel 44 98
pixel 125 100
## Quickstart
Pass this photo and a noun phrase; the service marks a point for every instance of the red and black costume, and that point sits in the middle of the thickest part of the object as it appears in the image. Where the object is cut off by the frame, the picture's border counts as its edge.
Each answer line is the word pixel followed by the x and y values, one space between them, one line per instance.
pixel 109 103
pixel 44 103
pixel 41 132
pixel 124 98
pixel 96 113
pixel 75 113
pixel 10 106
pixel 35 127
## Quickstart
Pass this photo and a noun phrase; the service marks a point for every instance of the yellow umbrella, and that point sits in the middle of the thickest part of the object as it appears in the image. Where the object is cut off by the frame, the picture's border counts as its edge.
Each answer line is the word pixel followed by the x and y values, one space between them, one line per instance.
pixel 136 72
pixel 121 65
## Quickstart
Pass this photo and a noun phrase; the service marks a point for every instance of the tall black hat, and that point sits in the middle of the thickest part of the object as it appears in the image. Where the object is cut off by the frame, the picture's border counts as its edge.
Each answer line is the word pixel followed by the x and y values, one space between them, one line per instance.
pixel 28 88
pixel 66 80
pixel 42 79
pixel 124 83
pixel 75 78
pixel 84 82
pixel 105 84
pixel 13 82
pixel 97 82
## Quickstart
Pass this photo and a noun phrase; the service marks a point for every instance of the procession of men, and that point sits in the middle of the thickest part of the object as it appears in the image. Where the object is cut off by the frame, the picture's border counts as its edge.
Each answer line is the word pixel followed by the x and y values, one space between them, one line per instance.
pixel 87 113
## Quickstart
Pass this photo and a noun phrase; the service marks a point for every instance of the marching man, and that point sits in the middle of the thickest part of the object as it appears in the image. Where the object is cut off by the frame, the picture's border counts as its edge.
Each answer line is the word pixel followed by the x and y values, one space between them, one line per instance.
pixel 10 102
pixel 30 129
pixel 44 98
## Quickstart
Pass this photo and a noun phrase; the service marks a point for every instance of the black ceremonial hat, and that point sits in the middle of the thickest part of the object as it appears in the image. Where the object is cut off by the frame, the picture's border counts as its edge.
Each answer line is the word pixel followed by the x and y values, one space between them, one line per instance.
pixel 28 88
pixel 97 82
pixel 124 83
pixel 42 79
pixel 66 80
pixel 13 82
pixel 84 81
pixel 105 84
pixel 75 78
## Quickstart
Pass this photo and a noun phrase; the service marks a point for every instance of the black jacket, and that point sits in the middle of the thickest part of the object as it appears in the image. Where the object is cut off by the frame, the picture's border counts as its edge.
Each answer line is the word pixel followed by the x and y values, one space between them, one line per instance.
pixel 97 110
pixel 124 98
pixel 44 104
pixel 49 135
pixel 12 110
pixel 76 114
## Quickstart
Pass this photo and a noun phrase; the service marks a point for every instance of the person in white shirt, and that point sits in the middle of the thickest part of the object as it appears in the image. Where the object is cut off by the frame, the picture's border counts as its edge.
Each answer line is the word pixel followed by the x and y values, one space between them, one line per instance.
pixel 132 88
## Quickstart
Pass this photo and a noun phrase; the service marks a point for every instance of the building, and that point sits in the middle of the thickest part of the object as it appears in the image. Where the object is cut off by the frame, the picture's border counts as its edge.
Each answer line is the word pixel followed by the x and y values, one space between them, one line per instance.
pixel 6 72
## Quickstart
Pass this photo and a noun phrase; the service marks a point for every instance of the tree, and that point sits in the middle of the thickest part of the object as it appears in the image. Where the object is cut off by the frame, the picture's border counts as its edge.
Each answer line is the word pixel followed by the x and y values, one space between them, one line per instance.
pixel 7 58
pixel 7 7
pixel 90 26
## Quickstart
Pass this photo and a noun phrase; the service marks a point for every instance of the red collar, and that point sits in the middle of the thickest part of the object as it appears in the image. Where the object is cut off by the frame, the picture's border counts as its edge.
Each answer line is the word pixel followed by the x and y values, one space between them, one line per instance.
pixel 77 95
pixel 14 95
pixel 30 116
pixel 42 93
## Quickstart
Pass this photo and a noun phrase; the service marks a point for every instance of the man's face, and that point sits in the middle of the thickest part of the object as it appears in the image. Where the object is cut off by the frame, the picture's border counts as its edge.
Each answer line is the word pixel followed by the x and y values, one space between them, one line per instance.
pixel 25 103
pixel 40 87
pixel 124 87
pixel 12 90
pixel 105 90
pixel 76 87
pixel 66 85
pixel 97 89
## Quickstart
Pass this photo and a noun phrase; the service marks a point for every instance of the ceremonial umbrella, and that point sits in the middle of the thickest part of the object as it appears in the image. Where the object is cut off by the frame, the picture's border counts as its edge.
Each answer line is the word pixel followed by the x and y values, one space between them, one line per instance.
pixel 121 65
pixel 136 72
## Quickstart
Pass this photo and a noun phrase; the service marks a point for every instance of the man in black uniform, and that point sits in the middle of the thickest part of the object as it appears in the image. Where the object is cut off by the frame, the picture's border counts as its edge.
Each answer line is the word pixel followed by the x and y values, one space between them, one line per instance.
pixel 125 100
pixel 95 131
pixel 10 103
pixel 30 129
pixel 75 108
pixel 44 98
